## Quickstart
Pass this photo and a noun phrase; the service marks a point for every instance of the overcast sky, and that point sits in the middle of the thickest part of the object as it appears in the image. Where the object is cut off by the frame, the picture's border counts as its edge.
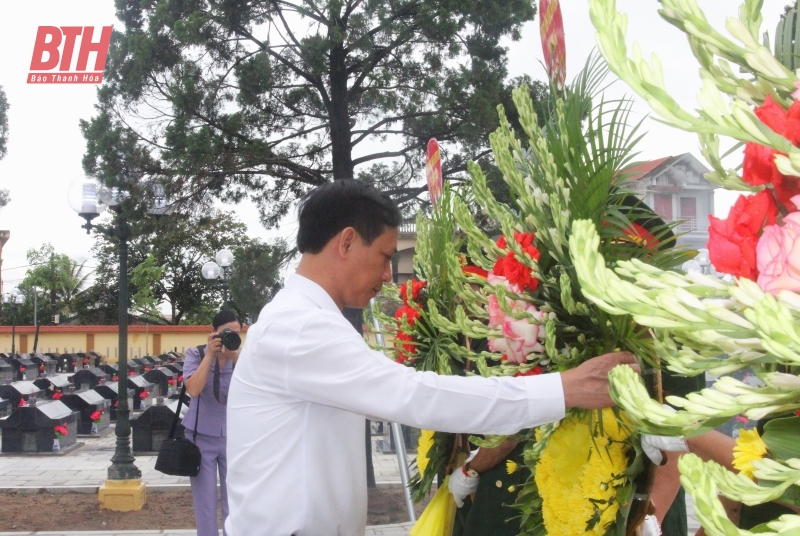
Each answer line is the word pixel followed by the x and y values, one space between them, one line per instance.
pixel 46 146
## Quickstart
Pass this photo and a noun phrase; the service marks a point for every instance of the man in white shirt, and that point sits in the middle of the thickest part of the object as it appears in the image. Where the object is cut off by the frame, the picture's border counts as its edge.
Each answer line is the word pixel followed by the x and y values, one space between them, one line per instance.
pixel 305 381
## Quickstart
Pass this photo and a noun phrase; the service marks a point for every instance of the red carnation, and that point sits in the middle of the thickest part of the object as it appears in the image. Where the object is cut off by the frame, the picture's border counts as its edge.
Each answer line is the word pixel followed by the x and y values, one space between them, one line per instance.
pixel 170 382
pixel 60 430
pixel 732 242
pixel 22 368
pixel 143 395
pixel 115 378
pixel 96 416
pixel 57 395
pixel 41 367
pixel 180 378
pixel 509 267
pixel 114 404
pixel 22 403
pixel 131 373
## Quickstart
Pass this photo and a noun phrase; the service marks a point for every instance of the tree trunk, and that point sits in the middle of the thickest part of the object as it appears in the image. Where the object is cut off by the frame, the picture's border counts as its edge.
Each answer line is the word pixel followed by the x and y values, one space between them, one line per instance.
pixel 356 318
pixel 339 114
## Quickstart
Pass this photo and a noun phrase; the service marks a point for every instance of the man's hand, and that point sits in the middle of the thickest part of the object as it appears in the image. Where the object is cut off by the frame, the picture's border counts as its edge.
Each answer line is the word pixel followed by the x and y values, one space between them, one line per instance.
pixel 586 386
pixel 461 485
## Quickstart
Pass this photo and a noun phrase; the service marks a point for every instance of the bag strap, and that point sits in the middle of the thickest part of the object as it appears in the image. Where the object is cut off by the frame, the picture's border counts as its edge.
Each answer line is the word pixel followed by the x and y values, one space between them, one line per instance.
pixel 175 419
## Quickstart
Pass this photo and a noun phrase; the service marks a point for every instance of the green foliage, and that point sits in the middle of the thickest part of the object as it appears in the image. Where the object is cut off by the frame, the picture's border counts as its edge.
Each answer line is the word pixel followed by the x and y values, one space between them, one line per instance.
pixel 144 278
pixel 255 275
pixel 3 124
pixel 264 100
pixel 179 246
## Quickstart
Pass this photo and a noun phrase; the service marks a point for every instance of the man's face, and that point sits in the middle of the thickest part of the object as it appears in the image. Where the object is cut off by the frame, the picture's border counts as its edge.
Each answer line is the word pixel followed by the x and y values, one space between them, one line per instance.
pixel 368 267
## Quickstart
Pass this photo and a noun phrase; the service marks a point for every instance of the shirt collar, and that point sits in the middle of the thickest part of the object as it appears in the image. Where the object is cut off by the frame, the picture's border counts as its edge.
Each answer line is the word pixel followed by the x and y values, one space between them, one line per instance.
pixel 312 290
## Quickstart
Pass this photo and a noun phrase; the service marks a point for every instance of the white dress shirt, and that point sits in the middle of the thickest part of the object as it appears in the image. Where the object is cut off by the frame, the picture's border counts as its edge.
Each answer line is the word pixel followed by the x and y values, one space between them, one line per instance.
pixel 301 388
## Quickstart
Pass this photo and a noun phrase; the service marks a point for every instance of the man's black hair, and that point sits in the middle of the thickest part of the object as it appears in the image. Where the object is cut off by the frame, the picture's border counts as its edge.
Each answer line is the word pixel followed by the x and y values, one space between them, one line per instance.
pixel 223 317
pixel 327 210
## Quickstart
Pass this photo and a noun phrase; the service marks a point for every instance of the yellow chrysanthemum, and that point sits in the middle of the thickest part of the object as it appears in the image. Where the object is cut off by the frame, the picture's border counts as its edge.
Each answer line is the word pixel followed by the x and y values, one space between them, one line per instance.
pixel 576 469
pixel 511 467
pixel 749 447
pixel 425 444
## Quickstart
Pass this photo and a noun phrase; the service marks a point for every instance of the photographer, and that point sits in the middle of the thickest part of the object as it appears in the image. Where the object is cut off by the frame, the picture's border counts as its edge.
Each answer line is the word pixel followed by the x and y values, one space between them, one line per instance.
pixel 207 372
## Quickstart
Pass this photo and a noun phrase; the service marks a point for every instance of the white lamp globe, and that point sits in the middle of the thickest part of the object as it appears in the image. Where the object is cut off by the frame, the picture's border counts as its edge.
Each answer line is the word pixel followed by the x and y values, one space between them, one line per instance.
pixel 19 299
pixel 224 258
pixel 211 270
pixel 84 197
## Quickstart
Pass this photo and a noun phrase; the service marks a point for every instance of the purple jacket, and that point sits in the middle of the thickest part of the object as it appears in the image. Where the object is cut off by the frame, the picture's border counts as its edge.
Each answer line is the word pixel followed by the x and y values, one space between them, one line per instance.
pixel 212 413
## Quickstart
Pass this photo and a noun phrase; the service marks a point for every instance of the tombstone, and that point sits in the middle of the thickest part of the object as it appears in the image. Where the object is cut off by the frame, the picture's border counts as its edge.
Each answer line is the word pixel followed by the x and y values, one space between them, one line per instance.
pixel 87 378
pixel 19 392
pixel 167 358
pixel 141 390
pixel 144 365
pixel 5 408
pixel 90 404
pixel 164 379
pixel 155 362
pixel 177 368
pixel 151 427
pixel 111 370
pixel 135 368
pixel 95 358
pixel 69 362
pixel 26 369
pixel 30 429
pixel 46 364
pixel 110 392
pixel 54 386
pixel 84 361
pixel 7 372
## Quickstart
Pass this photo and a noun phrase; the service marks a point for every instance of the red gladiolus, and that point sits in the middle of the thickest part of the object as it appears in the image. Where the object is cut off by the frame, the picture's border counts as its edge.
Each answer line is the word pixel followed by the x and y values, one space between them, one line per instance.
pixel 405 351
pixel 409 313
pixel 416 288
pixel 513 270
pixel 96 416
pixel 57 395
pixel 535 371
pixel 475 270
pixel 732 242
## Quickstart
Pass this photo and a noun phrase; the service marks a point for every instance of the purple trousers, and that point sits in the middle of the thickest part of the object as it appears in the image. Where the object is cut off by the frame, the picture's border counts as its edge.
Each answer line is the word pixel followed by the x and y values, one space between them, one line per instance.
pixel 204 485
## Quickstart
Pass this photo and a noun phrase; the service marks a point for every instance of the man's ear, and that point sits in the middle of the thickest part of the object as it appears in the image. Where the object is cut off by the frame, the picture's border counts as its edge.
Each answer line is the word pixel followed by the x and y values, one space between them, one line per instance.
pixel 347 238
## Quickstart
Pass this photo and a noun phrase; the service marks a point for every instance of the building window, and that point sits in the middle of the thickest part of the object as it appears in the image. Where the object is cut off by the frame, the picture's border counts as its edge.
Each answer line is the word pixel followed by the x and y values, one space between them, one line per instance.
pixel 689 214
pixel 663 206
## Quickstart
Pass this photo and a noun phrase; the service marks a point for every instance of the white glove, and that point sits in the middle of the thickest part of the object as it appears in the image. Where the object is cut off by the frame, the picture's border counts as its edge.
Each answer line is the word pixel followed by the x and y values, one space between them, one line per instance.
pixel 650 527
pixel 461 485
pixel 652 445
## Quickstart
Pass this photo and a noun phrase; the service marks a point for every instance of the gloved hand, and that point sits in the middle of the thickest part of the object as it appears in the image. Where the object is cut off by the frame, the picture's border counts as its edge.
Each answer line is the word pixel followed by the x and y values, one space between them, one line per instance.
pixel 652 446
pixel 461 484
pixel 650 527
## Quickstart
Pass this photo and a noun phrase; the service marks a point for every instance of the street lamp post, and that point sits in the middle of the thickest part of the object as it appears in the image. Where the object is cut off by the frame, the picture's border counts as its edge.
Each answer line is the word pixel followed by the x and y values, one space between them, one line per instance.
pixel 89 201
pixel 218 270
pixel 13 299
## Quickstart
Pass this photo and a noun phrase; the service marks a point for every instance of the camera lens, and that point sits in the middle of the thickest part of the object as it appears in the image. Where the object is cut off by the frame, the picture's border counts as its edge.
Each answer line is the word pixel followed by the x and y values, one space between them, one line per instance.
pixel 230 339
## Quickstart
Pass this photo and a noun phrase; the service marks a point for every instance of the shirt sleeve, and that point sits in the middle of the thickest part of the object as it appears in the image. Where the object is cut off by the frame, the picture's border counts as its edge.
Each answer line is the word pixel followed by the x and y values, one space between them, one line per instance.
pixel 329 363
pixel 191 362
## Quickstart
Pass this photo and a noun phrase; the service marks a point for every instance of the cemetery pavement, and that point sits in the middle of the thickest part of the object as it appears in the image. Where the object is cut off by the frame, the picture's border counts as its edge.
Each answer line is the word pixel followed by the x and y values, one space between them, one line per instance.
pixel 84 469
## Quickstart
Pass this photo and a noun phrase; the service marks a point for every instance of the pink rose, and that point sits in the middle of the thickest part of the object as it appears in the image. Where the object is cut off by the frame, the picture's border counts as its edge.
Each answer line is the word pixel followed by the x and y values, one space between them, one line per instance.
pixel 778 255
pixel 520 337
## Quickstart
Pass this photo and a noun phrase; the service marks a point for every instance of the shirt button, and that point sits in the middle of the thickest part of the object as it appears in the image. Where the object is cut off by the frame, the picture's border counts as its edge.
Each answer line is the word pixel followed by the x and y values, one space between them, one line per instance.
pixel 499 484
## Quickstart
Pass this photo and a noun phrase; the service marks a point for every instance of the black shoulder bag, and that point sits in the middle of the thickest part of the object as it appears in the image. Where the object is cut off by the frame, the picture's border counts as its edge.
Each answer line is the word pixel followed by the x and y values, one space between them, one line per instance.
pixel 178 456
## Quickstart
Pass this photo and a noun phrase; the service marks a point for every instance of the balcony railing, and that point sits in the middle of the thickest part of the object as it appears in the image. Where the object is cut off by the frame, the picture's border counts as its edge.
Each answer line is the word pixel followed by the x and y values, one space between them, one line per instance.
pixel 408 229
pixel 687 225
